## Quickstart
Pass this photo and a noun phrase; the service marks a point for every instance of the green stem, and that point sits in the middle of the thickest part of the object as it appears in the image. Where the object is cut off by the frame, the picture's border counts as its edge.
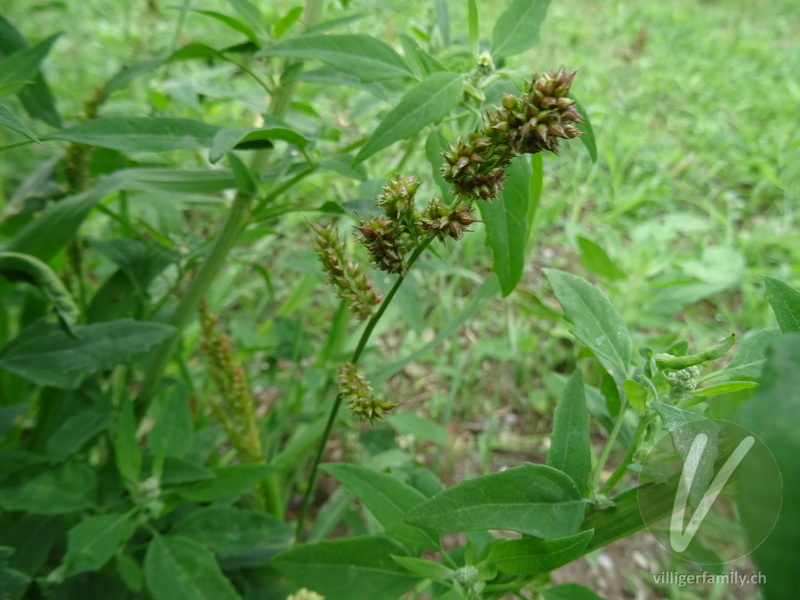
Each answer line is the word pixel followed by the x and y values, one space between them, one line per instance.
pixel 628 458
pixel 601 462
pixel 362 343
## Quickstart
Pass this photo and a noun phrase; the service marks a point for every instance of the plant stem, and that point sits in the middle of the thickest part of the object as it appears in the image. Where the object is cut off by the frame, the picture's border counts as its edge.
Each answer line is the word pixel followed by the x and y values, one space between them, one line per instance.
pixel 601 462
pixel 634 445
pixel 362 343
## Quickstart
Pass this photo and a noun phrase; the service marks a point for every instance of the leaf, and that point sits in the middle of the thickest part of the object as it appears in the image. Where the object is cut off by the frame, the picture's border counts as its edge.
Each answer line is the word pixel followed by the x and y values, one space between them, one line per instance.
pixel 140 134
pixel 127 454
pixel 533 499
pixel 531 556
pixel 724 388
pixel 22 66
pixel 283 24
pixel 425 569
pixel 771 414
pixel 10 120
pixel 506 222
pixel 45 355
pixel 387 498
pixel 172 431
pixel 435 144
pixel 785 303
pixel 177 568
pixel 360 568
pixel 443 20
pixel 360 55
pixel 472 25
pixel 718 350
pixel 229 531
pixel 537 176
pixel 636 395
pixel 36 97
pixel 597 324
pixel 751 355
pixel 92 542
pixel 73 433
pixel 72 484
pixel 251 14
pixel 595 260
pixel 426 103
pixel 123 78
pixel 229 482
pixel 569 591
pixel 420 427
pixel 569 447
pixel 587 138
pixel 15 266
pixel 234 24
pixel 517 29
pixel 242 137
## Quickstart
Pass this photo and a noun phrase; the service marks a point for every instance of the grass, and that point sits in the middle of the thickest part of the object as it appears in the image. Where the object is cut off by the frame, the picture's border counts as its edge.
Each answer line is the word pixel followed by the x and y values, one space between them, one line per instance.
pixel 694 197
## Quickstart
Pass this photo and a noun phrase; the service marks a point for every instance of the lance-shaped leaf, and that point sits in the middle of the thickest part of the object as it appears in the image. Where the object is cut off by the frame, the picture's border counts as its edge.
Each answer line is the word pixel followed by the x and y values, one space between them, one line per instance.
pixel 785 303
pixel 569 447
pixel 360 568
pixel 360 55
pixel 517 29
pixel 10 120
pixel 387 498
pixel 531 556
pixel 533 499
pixel 19 68
pixel 596 323
pixel 506 222
pixel 426 103
pixel 92 542
pixel 246 138
pixel 73 484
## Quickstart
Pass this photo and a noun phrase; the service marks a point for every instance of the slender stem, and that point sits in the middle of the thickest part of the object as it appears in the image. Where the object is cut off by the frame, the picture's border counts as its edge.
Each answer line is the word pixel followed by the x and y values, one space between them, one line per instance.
pixel 362 343
pixel 601 462
pixel 634 445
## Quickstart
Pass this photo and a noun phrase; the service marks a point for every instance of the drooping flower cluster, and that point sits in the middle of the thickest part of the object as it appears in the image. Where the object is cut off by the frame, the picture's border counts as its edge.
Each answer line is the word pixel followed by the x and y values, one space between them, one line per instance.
pixel 350 283
pixel 536 121
pixel 358 394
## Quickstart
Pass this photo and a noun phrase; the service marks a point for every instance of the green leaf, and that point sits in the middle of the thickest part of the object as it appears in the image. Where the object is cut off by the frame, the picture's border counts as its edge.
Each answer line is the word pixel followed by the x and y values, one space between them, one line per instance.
pixel 73 433
pixel 595 260
pixel 251 14
pixel 360 55
pixel 283 24
pixel 472 25
pixel 176 568
pixel 10 120
pixel 537 176
pixel 636 395
pixel 234 24
pixel 140 134
pixel 229 531
pixel 435 144
pixel 60 490
pixel 247 137
pixel 21 67
pixel 597 324
pixel 531 556
pixel 588 139
pixel 229 482
pixel 771 414
pixel 751 356
pixel 45 355
pixel 127 454
pixel 13 583
pixel 16 266
pixel 718 350
pixel 425 569
pixel 569 447
pixel 413 424
pixel 92 542
pixel 387 498
pixel 426 103
pixel 569 591
pixel 517 29
pixel 443 20
pixel 785 303
pixel 360 568
pixel 533 499
pixel 506 222
pixel 172 431
pixel 36 97
pixel 724 388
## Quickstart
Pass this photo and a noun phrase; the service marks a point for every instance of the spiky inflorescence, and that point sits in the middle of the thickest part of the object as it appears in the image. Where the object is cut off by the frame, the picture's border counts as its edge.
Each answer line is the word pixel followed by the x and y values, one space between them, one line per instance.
pixel 443 222
pixel 350 283
pixel 391 236
pixel 534 122
pixel 358 394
